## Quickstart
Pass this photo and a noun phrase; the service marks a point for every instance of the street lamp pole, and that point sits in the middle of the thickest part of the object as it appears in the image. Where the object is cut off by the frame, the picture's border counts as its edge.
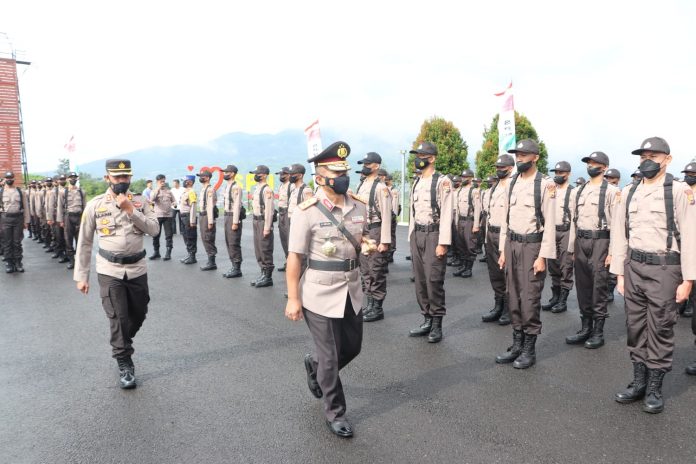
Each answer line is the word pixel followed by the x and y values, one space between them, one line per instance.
pixel 403 183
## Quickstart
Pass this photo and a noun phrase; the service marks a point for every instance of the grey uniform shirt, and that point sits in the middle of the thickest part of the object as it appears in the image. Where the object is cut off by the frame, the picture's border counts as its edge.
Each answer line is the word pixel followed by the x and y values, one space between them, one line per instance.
pixel 297 197
pixel 163 199
pixel 382 207
pixel 187 205
pixel 118 233
pixel 233 200
pixel 11 203
pixel 74 203
pixel 267 205
pixel 207 202
pixel 421 201
pixel 588 209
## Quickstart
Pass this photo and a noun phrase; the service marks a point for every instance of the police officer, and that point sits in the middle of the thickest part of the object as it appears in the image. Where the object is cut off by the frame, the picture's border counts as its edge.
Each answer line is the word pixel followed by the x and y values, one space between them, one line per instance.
pixel 14 218
pixel 528 238
pixel 120 220
pixel 298 193
pixel 70 209
pixel 497 209
pixel 561 268
pixel 396 211
pixel 54 197
pixel 207 212
pixel 589 243
pixel 188 220
pixel 283 217
pixel 455 252
pixel 613 176
pixel 163 199
pixel 654 256
pixel 379 217
pixel 430 234
pixel 579 181
pixel 636 177
pixel 34 219
pixel 690 180
pixel 468 208
pixel 263 226
pixel 40 209
pixel 234 214
pixel 328 229
pixel 489 183
pixel 49 236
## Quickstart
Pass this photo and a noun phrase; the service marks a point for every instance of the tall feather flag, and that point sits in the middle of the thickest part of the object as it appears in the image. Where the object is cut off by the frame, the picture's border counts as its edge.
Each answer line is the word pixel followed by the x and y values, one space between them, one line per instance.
pixel 506 121
pixel 313 139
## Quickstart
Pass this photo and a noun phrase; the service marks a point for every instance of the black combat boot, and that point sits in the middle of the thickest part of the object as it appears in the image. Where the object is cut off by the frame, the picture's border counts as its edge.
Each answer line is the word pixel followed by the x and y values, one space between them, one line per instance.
pixel 377 312
pixel 55 255
pixel 468 266
pixel 126 372
pixel 266 279
pixel 635 389
pixel 63 258
pixel 369 308
pixel 653 402
pixel 210 265
pixel 610 294
pixel 691 369
pixel 505 316
pixel 513 351
pixel 435 335
pixel 235 271
pixel 555 297
pixel 18 265
pixel 494 314
pixel 597 337
pixel 283 267
pixel 459 271
pixel 9 266
pixel 423 329
pixel 689 308
pixel 583 334
pixel 156 255
pixel 562 304
pixel 168 254
pixel 483 258
pixel 71 262
pixel 190 259
pixel 527 358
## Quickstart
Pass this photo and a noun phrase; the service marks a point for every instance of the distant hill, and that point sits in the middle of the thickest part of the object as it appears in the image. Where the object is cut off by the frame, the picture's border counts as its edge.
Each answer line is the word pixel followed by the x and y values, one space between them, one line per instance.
pixel 245 151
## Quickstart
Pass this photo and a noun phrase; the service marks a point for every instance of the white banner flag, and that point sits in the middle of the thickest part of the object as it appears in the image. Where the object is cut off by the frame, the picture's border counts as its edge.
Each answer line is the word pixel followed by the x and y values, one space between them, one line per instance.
pixel 506 121
pixel 313 139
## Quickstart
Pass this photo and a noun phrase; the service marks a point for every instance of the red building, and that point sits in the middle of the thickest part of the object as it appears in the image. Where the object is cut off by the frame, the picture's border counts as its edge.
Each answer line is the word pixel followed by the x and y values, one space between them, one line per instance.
pixel 10 120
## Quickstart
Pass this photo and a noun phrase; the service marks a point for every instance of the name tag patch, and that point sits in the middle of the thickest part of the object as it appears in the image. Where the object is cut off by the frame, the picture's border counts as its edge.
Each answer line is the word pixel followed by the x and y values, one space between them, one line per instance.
pixel 358 219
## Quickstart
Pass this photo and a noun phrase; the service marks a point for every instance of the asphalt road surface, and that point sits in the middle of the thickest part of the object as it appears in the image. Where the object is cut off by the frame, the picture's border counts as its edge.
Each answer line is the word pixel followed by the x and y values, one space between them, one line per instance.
pixel 221 379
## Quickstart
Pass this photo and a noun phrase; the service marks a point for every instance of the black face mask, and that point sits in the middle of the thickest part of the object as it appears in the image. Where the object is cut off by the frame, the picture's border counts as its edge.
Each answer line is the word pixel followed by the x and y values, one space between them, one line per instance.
pixel 62 183
pixel 502 173
pixel 9 182
pixel 366 171
pixel 524 167
pixel 338 184
pixel 257 177
pixel 293 179
pixel 283 178
pixel 649 168
pixel 421 163
pixel 560 180
pixel 594 171
pixel 466 182
pixel 49 185
pixel 73 181
pixel 227 176
pixel 120 188
pixel 690 179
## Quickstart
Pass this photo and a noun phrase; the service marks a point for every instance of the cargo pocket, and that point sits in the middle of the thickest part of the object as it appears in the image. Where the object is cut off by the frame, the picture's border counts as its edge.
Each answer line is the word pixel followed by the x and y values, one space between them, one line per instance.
pixel 319 277
pixel 106 302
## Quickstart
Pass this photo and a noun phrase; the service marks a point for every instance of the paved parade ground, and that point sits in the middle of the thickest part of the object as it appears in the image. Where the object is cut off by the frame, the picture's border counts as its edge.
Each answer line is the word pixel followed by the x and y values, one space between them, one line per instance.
pixel 221 379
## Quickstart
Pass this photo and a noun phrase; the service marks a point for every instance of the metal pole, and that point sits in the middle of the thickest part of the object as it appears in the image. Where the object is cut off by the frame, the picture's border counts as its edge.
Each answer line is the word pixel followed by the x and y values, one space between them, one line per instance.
pixel 403 183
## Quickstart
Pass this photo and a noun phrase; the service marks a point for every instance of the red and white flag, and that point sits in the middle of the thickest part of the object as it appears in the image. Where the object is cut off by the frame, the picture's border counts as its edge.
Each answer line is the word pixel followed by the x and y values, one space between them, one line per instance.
pixel 313 139
pixel 70 146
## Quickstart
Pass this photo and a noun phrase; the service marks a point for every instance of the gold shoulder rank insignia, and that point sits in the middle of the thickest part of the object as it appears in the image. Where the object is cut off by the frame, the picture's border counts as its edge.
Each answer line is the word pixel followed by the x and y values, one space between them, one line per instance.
pixel 357 198
pixel 307 203
pixel 689 195
pixel 552 190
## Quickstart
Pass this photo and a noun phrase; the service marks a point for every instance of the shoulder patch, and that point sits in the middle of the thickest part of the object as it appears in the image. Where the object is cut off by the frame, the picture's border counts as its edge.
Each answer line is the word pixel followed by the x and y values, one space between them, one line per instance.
pixel 307 203
pixel 357 198
pixel 689 195
pixel 192 196
pixel 268 194
pixel 552 189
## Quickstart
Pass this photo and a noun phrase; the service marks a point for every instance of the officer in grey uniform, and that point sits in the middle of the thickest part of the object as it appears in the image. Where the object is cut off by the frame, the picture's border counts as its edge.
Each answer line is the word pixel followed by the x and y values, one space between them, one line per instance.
pixel 613 176
pixel 55 196
pixel 561 268
pixel 163 199
pixel 653 253
pixel 49 236
pixel 690 180
pixel 430 234
pixel 120 220
pixel 396 211
pixel 527 239
pixel 264 216
pixel 298 193
pixel 14 218
pixel 468 213
pixel 69 213
pixel 455 253
pixel 34 219
pixel 589 243
pixel 283 216
pixel 330 229
pixel 188 217
pixel 207 213
pixel 497 210
pixel 579 181
pixel 373 267
pixel 234 214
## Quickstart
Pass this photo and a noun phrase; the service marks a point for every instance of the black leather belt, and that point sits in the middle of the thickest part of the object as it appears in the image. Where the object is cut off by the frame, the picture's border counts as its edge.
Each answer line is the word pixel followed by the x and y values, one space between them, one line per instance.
pixel 658 259
pixel 374 225
pixel 526 238
pixel 563 228
pixel 466 218
pixel 259 217
pixel 494 229
pixel 121 259
pixel 282 209
pixel 75 214
pixel 203 213
pixel 13 214
pixel 593 234
pixel 337 266
pixel 427 227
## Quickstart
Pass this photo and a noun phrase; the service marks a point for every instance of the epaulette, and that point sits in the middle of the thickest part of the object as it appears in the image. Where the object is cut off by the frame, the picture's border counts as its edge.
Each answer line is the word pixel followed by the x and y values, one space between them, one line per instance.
pixel 357 198
pixel 307 203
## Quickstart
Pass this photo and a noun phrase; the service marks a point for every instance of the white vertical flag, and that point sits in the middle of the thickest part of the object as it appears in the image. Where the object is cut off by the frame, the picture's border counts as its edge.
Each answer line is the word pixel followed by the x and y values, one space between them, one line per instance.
pixel 313 139
pixel 506 121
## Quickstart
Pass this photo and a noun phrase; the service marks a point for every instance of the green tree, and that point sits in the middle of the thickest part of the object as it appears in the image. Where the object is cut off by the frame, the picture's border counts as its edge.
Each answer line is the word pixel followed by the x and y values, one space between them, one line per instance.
pixel 451 147
pixel 488 154
pixel 92 186
pixel 63 166
pixel 138 186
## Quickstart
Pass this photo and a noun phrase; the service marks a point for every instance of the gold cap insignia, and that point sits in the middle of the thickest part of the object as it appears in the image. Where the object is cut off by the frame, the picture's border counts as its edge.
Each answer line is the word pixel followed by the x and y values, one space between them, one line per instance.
pixel 342 151
pixel 105 231
pixel 121 165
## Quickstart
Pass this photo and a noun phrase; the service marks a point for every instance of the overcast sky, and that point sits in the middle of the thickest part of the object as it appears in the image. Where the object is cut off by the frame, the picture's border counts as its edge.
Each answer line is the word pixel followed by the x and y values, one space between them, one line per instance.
pixel 119 76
